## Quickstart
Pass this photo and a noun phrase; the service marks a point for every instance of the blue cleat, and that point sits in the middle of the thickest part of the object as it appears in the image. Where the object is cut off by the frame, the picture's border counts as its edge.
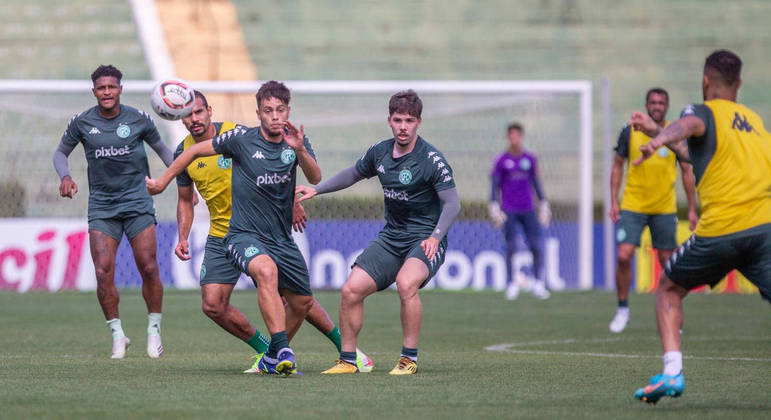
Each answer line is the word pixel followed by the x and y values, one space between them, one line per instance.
pixel 661 385
pixel 282 365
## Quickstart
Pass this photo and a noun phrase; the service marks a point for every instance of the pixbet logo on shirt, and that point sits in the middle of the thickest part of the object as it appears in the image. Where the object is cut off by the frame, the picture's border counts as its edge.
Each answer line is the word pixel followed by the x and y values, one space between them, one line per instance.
pixel 273 178
pixel 395 195
pixel 111 151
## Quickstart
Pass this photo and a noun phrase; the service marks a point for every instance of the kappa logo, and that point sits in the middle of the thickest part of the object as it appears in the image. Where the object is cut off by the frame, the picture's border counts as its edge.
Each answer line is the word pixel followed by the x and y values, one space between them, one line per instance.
pixel 447 179
pixel 201 164
pixel 258 155
pixel 445 172
pixel 437 158
pixel 381 169
pixel 94 130
pixel 440 165
pixel 431 153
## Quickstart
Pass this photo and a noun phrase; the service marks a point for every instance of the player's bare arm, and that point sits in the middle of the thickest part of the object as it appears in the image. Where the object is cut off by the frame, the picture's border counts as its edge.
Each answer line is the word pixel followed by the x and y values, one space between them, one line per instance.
pixel 686 127
pixel 689 185
pixel 204 148
pixel 184 220
pixel 616 172
pixel 294 138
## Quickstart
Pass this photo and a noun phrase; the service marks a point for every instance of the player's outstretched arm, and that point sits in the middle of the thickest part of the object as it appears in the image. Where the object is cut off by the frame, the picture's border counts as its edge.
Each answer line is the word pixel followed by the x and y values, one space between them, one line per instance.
pixel 163 151
pixel 338 181
pixel 184 220
pixel 685 127
pixel 204 148
pixel 643 122
pixel 295 138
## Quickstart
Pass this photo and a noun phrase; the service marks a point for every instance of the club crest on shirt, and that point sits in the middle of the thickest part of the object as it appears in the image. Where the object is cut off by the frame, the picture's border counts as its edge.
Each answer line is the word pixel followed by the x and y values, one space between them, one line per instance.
pixel 287 156
pixel 525 164
pixel 663 152
pixel 251 251
pixel 405 176
pixel 223 162
pixel 123 131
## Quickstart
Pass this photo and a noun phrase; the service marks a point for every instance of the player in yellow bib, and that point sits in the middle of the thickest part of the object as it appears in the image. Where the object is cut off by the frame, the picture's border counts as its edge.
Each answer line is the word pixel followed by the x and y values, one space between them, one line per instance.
pixel 731 154
pixel 648 200
pixel 212 177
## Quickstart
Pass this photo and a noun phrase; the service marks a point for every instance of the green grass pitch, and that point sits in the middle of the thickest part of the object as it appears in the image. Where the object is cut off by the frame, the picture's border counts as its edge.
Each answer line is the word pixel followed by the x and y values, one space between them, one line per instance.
pixel 555 359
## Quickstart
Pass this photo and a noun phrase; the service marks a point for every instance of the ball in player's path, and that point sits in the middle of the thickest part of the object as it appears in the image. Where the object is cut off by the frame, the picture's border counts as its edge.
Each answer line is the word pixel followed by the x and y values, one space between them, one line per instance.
pixel 172 99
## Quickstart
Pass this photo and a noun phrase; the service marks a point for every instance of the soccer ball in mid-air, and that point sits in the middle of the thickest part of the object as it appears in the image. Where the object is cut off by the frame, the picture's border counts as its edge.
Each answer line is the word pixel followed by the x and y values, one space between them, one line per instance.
pixel 172 99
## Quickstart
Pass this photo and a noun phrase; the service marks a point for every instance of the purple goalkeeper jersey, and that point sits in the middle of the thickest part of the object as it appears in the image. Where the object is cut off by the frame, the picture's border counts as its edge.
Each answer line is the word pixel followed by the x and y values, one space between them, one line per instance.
pixel 516 176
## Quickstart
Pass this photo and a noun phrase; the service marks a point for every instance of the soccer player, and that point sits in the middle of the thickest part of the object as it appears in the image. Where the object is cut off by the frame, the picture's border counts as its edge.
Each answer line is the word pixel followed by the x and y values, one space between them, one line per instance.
pixel 421 203
pixel 649 200
pixel 730 150
pixel 259 240
pixel 211 176
pixel 112 135
pixel 515 177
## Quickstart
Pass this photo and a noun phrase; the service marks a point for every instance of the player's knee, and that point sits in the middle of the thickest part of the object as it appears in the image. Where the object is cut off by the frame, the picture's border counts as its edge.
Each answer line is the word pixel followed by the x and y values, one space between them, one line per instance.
pixel 667 287
pixel 350 295
pixel 625 256
pixel 103 274
pixel 148 269
pixel 408 288
pixel 213 309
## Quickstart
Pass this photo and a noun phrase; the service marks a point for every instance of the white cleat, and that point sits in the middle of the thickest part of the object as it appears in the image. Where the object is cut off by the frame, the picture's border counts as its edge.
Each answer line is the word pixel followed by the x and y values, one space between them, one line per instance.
pixel 512 292
pixel 539 291
pixel 619 321
pixel 363 362
pixel 154 346
pixel 119 347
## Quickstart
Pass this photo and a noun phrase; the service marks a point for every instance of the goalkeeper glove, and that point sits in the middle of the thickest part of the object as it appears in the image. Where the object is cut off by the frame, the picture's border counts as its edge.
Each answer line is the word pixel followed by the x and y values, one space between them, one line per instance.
pixel 497 216
pixel 544 213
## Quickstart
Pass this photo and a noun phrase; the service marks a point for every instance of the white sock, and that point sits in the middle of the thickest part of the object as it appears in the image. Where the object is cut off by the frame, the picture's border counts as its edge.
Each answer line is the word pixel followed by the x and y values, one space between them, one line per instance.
pixel 622 309
pixel 115 328
pixel 673 363
pixel 154 323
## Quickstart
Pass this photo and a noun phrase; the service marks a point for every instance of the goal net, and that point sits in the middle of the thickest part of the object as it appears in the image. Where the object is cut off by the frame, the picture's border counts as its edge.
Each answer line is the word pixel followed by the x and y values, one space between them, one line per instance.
pixel 466 120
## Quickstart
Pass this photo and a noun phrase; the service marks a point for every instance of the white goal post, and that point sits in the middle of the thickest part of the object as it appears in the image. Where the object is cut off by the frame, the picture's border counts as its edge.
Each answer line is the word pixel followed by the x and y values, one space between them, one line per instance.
pixel 581 88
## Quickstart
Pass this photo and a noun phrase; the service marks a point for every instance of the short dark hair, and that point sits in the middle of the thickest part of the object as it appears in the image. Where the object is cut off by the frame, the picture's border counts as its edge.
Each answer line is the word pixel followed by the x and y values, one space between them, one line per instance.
pixel 108 71
pixel 198 94
pixel 725 64
pixel 273 89
pixel 515 126
pixel 658 91
pixel 405 102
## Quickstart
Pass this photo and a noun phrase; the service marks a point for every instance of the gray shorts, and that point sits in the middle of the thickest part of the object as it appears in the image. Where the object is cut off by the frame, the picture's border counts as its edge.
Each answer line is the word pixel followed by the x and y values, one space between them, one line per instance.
pixel 383 259
pixel 663 229
pixel 216 267
pixel 115 226
pixel 242 248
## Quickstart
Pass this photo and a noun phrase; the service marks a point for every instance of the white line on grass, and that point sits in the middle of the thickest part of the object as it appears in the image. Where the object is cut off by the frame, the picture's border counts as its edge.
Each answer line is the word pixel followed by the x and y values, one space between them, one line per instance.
pixel 509 348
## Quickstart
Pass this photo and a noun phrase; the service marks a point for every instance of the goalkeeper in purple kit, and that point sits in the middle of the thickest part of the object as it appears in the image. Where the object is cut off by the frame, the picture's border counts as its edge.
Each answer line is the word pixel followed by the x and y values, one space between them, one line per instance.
pixel 515 178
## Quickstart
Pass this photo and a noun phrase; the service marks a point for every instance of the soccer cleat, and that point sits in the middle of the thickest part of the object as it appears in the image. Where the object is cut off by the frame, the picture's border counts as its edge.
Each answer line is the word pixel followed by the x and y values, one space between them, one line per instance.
pixel 405 366
pixel 660 386
pixel 256 365
pixel 119 347
pixel 282 365
pixel 512 292
pixel 341 367
pixel 619 321
pixel 539 291
pixel 154 346
pixel 363 362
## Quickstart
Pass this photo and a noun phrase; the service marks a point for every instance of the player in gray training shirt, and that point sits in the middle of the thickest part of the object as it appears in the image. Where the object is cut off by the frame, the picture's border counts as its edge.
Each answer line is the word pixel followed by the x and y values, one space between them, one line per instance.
pixel 112 136
pixel 421 203
pixel 259 241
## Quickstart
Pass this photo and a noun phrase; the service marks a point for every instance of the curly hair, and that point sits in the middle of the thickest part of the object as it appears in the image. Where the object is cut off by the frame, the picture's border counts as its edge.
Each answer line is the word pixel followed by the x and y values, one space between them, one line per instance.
pixel 106 71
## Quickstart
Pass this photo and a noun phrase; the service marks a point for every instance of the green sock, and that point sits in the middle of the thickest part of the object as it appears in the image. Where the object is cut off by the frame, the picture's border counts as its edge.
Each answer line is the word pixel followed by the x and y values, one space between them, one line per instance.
pixel 258 342
pixel 334 337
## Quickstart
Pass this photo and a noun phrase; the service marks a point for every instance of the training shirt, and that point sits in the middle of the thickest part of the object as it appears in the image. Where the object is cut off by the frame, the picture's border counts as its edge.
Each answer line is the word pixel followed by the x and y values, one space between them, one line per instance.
pixel 263 181
pixel 517 175
pixel 117 162
pixel 211 175
pixel 732 166
pixel 650 186
pixel 410 184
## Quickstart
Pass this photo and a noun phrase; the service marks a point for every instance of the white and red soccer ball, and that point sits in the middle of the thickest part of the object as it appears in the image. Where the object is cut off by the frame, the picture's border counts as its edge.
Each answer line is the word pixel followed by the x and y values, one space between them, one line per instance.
pixel 172 99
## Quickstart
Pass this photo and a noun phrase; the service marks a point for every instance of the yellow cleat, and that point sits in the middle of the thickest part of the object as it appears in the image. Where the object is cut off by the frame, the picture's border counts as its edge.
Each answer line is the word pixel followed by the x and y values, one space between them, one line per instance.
pixel 406 366
pixel 341 367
